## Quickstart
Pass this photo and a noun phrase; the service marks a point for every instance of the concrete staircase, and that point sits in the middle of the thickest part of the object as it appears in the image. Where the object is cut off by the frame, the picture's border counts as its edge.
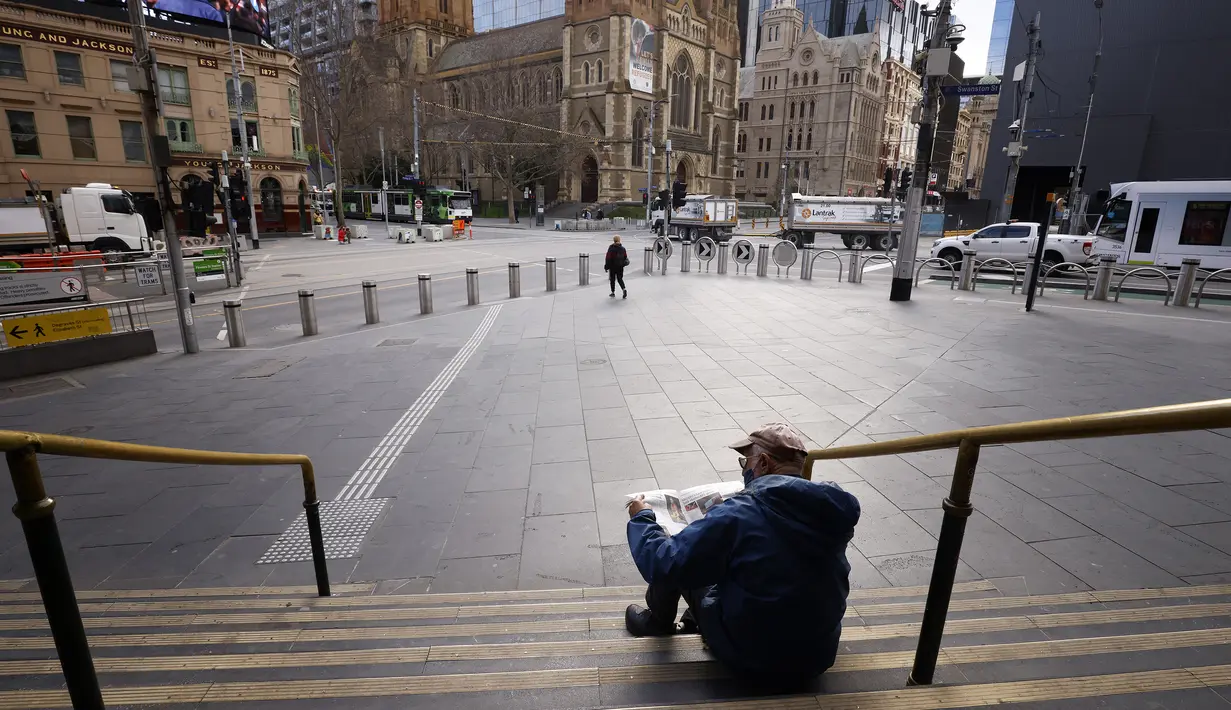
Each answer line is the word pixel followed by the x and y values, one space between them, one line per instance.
pixel 282 647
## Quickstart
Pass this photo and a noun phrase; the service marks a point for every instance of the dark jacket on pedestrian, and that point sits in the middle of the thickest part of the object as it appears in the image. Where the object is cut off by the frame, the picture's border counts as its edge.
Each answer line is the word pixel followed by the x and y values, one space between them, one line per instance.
pixel 617 257
pixel 774 559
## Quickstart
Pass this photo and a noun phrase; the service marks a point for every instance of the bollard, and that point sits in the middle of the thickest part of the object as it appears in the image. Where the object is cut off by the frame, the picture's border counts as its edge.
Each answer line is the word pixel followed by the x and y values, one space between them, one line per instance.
pixel 648 268
pixel 1102 282
pixel 685 255
pixel 514 279
pixel 583 269
pixel 762 260
pixel 371 313
pixel 425 293
pixel 236 336
pixel 805 267
pixel 967 280
pixel 1184 285
pixel 472 287
pixel 307 311
pixel 854 270
pixel 551 273
pixel 722 257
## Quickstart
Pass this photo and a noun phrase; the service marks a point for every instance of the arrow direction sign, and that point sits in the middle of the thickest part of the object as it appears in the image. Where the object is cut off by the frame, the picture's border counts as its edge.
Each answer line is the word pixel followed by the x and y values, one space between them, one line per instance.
pixel 743 252
pixel 662 248
pixel 17 332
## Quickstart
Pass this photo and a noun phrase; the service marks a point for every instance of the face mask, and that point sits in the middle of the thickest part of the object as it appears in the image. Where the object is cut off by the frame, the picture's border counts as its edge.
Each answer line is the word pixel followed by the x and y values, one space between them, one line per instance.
pixel 747 477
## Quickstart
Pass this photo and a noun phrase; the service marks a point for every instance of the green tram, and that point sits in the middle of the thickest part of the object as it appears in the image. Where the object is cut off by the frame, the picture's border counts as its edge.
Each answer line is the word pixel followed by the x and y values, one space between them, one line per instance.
pixel 440 205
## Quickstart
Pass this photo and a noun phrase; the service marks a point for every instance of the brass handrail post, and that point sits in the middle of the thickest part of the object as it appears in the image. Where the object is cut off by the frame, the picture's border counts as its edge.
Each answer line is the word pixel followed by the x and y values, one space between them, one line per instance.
pixel 957 509
pixel 36 513
pixel 312 513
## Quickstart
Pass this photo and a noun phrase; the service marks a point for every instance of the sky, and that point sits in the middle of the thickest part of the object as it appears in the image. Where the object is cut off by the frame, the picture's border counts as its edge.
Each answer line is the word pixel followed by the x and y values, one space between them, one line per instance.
pixel 977 16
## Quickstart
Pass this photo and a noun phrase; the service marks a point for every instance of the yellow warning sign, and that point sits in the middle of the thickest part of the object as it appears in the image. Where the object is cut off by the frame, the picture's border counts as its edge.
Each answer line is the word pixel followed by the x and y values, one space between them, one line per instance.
pixel 50 327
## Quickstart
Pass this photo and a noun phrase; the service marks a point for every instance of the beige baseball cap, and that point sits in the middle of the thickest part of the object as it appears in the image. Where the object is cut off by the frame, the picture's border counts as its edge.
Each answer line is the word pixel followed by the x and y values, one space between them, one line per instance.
pixel 775 438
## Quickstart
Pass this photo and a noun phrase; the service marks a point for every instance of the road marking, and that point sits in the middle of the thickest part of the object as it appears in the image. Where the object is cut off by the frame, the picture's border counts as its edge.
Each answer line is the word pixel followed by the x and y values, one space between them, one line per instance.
pixel 365 480
pixel 878 267
pixel 264 259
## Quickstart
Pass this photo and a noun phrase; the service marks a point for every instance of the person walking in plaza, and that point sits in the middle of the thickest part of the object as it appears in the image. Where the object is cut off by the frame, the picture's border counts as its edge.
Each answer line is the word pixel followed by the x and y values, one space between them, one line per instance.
pixel 617 259
pixel 764 573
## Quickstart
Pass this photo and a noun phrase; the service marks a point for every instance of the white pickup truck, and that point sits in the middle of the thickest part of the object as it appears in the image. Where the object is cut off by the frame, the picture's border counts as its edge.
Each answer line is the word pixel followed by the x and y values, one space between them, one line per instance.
pixel 1016 242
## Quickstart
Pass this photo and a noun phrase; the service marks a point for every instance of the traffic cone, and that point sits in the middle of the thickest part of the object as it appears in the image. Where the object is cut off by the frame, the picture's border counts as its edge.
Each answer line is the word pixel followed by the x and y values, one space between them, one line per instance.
pixel 471 226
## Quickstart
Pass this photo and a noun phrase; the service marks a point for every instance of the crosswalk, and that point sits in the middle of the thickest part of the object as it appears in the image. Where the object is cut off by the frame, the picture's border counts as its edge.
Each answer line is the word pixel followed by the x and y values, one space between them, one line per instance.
pixel 566 648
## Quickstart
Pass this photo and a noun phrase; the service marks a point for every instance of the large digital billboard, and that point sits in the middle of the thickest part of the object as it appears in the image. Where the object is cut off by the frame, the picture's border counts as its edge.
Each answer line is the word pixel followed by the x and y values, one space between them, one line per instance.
pixel 246 15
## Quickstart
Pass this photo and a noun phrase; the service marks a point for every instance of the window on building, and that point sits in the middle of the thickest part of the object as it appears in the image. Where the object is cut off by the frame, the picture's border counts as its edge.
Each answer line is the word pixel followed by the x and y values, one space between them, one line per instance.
pixel 795 79
pixel 741 143
pixel 807 170
pixel 805 81
pixel 598 71
pixel 180 131
pixel 682 92
pixel 809 145
pixel 11 65
pixel 119 75
pixel 792 110
pixel 771 112
pixel 254 142
pixel 431 48
pixel 293 97
pixel 585 73
pixel 296 139
pixel 247 93
pixel 814 78
pixel 714 143
pixel 24 133
pixel 761 144
pixel 775 85
pixel 558 78
pixel 758 171
pixel 173 85
pixel 790 138
pixel 811 110
pixel 762 112
pixel 639 139
pixel 81 137
pixel 133 137
pixel 444 7
pixel 68 69
pixel 769 144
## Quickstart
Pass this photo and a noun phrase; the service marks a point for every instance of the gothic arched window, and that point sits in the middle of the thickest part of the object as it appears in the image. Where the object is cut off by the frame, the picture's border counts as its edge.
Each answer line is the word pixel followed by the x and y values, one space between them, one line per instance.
pixel 681 92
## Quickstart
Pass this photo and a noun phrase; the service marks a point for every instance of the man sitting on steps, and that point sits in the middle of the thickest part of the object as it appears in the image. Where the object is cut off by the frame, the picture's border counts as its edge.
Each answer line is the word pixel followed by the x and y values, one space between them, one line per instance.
pixel 764 573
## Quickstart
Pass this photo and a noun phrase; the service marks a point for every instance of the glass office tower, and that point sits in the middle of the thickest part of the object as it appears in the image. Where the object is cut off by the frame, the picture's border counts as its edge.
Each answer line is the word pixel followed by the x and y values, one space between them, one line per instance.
pixel 1002 23
pixel 899 23
pixel 496 14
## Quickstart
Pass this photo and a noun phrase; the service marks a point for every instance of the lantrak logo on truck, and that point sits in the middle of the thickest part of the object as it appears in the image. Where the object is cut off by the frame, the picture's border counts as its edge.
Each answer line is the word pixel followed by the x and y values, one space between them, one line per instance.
pixel 809 213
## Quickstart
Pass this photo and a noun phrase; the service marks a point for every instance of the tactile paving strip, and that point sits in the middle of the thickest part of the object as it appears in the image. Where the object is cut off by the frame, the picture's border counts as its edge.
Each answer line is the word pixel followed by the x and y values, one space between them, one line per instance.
pixel 344 524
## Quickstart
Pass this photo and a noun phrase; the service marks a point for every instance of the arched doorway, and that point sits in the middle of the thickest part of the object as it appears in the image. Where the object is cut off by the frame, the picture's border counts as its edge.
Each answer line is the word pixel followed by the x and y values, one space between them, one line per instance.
pixel 589 180
pixel 305 224
pixel 271 204
pixel 681 172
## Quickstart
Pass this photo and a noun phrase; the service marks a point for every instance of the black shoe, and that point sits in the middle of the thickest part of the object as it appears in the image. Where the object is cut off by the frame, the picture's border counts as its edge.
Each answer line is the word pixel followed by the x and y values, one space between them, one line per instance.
pixel 688 623
pixel 625 293
pixel 611 295
pixel 640 622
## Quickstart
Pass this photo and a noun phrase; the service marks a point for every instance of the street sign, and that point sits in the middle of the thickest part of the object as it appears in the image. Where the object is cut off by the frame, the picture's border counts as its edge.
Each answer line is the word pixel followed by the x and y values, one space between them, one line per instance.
pixel 662 248
pixel 706 248
pixel 970 90
pixel 147 275
pixel 742 252
pixel 211 269
pixel 418 210
pixel 784 253
pixel 50 327
pixel 22 287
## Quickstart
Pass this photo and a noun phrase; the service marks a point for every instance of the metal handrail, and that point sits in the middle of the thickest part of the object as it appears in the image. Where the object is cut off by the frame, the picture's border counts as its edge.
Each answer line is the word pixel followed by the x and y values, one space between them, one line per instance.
pixel 828 254
pixel 35 510
pixel 1085 272
pixel 1206 280
pixel 1194 416
pixel 67 307
pixel 1166 279
pixel 974 281
pixel 876 257
pixel 938 260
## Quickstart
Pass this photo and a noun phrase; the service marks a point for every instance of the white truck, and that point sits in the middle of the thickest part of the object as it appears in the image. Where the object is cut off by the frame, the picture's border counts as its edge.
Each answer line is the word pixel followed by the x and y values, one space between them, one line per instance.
pixel 702 216
pixel 97 217
pixel 861 222
pixel 1014 241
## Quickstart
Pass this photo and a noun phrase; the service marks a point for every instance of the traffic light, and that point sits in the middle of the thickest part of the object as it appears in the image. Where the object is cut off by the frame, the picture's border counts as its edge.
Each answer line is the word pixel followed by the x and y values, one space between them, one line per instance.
pixel 679 189
pixel 213 174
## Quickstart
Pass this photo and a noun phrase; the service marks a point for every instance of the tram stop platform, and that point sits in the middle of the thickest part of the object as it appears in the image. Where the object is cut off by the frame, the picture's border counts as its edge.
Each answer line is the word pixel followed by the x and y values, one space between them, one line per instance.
pixel 473 464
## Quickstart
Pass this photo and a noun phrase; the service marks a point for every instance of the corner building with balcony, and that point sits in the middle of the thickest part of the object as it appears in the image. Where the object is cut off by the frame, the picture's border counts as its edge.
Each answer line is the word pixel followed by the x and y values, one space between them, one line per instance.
pixel 578 66
pixel 70 117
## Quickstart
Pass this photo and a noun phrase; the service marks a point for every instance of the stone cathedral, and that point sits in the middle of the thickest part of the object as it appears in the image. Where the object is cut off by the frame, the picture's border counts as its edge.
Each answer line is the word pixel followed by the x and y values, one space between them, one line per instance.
pixel 604 65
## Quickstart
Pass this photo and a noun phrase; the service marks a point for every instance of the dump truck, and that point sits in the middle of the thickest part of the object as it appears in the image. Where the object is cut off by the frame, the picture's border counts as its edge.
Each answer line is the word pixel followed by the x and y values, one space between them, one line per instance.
pixel 702 216
pixel 861 222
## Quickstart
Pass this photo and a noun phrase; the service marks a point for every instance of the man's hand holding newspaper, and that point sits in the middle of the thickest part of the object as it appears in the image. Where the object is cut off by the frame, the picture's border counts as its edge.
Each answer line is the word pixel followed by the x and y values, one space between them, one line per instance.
pixel 674 510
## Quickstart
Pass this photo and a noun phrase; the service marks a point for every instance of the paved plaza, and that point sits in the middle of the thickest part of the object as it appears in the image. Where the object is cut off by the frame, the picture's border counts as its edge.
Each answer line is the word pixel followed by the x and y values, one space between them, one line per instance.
pixel 491 447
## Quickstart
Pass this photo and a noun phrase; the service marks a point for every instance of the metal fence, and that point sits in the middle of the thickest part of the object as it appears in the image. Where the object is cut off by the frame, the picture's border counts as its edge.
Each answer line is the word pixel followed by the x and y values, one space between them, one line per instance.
pixel 124 316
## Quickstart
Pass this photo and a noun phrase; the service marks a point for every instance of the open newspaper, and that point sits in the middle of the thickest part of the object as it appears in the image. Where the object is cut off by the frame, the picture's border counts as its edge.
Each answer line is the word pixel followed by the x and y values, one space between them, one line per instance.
pixel 674 510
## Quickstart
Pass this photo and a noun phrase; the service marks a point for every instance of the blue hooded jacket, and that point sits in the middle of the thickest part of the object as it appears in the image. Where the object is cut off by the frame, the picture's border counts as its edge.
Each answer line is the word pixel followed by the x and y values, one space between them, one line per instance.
pixel 775 555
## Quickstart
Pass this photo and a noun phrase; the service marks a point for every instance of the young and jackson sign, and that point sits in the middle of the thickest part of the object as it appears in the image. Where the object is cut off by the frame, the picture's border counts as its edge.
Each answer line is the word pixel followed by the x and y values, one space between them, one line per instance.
pixel 63 39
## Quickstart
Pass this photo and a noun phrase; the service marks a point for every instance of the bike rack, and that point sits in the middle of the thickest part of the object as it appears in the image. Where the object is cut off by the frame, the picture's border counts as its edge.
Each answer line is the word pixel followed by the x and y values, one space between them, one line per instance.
pixel 829 254
pixel 974 281
pixel 935 260
pixel 1084 271
pixel 1166 278
pixel 876 257
pixel 1201 290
